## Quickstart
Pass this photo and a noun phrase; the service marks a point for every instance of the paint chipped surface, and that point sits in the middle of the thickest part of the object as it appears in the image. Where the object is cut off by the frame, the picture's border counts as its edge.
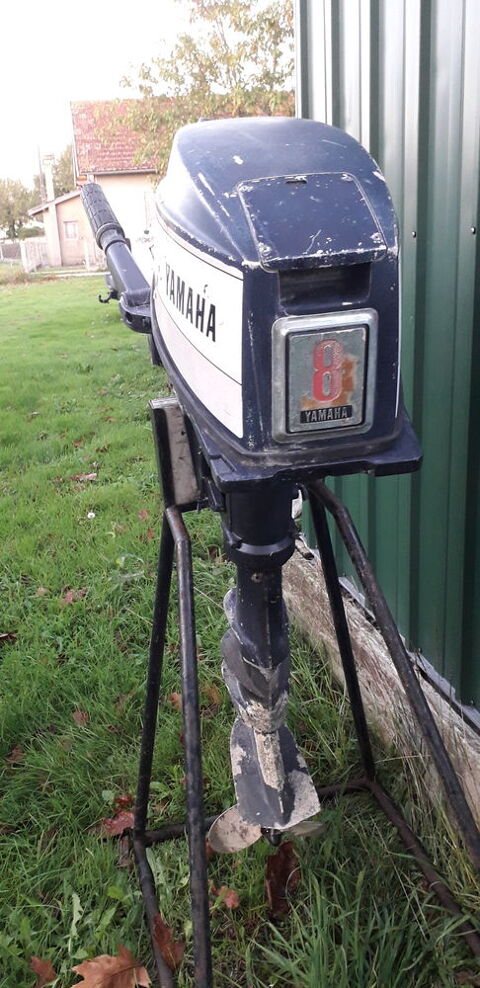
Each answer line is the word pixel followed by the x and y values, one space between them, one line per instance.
pixel 230 832
pixel 270 759
pixel 306 801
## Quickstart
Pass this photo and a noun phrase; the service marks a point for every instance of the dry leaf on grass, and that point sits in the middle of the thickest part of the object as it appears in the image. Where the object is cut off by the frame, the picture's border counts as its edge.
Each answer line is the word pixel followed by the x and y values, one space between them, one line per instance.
pixel 281 878
pixel 143 514
pixel 7 636
pixel 82 477
pixel 16 755
pixel 71 596
pixel 171 950
pixel 80 717
pixel 105 971
pixel 123 802
pixel 176 700
pixel 228 896
pixel 209 849
pixel 124 856
pixel 44 971
pixel 115 826
pixel 467 978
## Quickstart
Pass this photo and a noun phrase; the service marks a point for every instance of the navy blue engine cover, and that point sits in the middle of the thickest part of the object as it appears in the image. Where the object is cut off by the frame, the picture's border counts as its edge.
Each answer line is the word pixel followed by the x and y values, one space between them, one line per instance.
pixel 276 301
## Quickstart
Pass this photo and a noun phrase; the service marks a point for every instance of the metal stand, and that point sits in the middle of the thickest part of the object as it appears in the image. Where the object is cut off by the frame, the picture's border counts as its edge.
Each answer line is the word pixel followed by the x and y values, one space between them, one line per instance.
pixel 181 494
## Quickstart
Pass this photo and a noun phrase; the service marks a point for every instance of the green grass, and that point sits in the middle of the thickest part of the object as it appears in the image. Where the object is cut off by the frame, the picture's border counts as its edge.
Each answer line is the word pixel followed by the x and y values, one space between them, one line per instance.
pixel 74 388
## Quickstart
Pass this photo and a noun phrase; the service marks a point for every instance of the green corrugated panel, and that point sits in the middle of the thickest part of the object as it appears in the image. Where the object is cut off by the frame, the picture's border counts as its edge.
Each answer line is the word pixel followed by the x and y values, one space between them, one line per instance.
pixel 403 77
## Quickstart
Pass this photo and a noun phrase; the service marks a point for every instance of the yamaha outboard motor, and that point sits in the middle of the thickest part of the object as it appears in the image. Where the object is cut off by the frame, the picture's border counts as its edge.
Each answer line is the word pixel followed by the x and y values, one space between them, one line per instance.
pixel 276 315
pixel 275 312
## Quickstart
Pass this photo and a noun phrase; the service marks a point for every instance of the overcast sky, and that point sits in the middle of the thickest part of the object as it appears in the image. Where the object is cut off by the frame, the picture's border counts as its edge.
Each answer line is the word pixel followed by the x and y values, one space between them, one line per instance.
pixel 54 51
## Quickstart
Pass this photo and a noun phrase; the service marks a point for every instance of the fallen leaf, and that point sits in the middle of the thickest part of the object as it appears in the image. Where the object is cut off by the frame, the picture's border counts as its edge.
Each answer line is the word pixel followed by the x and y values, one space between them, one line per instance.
pixel 123 802
pixel 44 971
pixel 171 950
pixel 143 514
pixel 7 636
pixel 214 697
pixel 151 533
pixel 124 857
pixel 117 528
pixel 72 595
pixel 16 755
pixel 115 826
pixel 281 878
pixel 41 591
pixel 105 971
pixel 82 477
pixel 160 807
pixel 78 442
pixel 176 700
pixel 123 699
pixel 228 896
pixel 80 717
pixel 467 978
pixel 208 849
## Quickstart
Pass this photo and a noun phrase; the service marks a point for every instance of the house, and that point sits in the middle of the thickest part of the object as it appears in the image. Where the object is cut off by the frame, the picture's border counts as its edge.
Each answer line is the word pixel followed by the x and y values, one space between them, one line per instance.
pixel 69 240
pixel 105 150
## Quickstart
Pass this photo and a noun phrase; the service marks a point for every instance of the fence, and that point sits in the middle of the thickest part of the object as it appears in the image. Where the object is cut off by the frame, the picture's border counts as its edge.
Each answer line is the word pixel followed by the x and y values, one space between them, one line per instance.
pixel 34 253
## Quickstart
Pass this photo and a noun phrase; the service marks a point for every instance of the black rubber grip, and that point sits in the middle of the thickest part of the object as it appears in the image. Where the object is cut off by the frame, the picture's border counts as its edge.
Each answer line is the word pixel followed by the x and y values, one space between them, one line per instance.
pixel 102 219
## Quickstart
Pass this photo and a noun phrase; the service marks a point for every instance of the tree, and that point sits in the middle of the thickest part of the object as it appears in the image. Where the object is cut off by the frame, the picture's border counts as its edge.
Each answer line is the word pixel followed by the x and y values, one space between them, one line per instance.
pixel 235 60
pixel 63 177
pixel 15 201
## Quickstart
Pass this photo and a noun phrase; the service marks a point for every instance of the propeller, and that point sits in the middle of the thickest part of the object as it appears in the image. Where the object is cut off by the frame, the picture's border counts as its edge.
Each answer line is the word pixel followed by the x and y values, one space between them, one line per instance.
pixel 275 793
pixel 230 832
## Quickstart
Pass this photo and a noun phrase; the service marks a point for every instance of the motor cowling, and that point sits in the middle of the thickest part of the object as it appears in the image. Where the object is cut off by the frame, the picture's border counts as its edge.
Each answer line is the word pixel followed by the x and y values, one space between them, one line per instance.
pixel 276 301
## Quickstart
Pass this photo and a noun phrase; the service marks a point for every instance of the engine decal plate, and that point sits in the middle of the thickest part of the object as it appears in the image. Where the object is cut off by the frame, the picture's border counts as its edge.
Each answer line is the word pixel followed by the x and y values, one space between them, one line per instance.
pixel 323 374
pixel 326 378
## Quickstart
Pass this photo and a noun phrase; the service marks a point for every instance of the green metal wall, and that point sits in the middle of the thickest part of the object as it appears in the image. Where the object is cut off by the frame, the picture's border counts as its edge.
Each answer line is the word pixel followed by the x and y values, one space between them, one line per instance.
pixel 403 76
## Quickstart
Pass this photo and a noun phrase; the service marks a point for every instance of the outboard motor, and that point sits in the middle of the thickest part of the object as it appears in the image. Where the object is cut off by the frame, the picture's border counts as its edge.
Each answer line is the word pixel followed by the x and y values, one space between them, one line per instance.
pixel 276 315
pixel 275 312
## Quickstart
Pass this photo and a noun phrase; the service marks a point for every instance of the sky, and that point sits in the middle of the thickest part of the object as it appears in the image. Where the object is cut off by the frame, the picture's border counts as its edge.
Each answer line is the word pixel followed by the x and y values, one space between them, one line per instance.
pixel 55 51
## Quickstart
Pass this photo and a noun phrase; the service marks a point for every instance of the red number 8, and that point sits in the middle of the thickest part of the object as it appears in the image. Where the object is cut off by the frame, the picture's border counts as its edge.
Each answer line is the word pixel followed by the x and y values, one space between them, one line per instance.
pixel 327 379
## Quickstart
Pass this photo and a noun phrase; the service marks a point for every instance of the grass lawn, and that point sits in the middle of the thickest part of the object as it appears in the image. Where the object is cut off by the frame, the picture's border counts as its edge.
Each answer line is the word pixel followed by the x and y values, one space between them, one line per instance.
pixel 79 526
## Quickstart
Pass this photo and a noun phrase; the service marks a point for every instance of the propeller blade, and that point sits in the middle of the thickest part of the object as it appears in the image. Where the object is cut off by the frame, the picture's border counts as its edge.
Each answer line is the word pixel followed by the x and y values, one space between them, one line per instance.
pixel 230 832
pixel 307 828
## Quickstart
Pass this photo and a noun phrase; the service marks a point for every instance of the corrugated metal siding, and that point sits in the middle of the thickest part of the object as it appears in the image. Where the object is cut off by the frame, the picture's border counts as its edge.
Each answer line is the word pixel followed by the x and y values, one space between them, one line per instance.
pixel 403 76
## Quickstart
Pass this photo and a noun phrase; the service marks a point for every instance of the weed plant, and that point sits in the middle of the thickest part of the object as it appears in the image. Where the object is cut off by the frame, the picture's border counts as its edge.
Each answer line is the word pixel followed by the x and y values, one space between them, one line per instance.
pixel 79 529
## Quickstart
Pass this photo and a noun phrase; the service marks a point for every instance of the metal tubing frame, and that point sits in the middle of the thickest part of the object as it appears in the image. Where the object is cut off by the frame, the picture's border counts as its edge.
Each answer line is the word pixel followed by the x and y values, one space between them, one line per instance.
pixel 321 498
pixel 175 535
pixel 175 538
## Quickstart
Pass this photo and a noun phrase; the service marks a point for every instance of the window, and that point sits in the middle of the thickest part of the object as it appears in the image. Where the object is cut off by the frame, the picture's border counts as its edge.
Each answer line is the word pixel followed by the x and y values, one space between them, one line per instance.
pixel 71 229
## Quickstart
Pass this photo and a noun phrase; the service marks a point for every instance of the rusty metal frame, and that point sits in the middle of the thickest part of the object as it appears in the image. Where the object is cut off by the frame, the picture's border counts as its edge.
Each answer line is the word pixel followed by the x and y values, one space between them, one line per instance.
pixel 175 541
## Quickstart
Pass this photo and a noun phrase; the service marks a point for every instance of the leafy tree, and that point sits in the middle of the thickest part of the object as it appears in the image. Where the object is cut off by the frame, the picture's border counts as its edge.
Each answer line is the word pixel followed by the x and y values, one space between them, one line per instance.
pixel 63 177
pixel 236 59
pixel 15 201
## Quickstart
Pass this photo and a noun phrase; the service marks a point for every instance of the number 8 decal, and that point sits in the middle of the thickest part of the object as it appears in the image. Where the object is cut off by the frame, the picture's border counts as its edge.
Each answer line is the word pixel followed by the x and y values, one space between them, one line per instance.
pixel 327 377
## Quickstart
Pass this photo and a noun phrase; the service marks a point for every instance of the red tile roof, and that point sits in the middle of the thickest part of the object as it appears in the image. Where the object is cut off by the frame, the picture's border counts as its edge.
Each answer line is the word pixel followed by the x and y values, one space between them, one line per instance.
pixel 103 139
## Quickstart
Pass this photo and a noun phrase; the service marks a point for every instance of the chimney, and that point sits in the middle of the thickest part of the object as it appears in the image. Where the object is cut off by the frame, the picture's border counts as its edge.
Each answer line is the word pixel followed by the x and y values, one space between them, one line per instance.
pixel 48 161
